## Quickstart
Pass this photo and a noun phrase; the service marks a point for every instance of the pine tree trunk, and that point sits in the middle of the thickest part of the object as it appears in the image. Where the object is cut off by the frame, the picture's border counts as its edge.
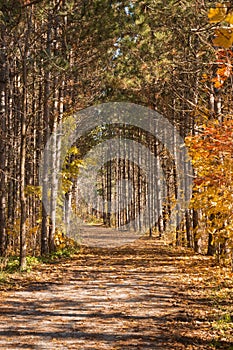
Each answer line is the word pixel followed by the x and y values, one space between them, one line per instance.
pixel 45 175
pixel 23 212
pixel 2 146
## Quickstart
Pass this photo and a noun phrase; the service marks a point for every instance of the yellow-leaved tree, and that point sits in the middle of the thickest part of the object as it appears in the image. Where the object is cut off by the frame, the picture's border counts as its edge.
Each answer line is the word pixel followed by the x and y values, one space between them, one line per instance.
pixel 212 157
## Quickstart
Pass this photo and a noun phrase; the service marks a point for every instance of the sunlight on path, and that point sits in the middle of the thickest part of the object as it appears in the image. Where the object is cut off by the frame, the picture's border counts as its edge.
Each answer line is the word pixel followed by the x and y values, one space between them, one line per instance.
pixel 104 299
pixel 98 236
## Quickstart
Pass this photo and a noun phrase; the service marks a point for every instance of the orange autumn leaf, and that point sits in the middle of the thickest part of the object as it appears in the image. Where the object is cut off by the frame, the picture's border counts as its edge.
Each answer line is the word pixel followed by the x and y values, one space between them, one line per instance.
pixel 218 84
pixel 224 72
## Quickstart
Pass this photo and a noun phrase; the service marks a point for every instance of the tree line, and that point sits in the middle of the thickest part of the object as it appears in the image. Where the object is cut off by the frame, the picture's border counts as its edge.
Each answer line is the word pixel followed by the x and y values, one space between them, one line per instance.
pixel 59 57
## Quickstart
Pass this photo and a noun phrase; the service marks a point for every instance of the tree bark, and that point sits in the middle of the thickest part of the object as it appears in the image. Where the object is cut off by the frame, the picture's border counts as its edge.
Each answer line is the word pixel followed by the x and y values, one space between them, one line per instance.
pixel 3 77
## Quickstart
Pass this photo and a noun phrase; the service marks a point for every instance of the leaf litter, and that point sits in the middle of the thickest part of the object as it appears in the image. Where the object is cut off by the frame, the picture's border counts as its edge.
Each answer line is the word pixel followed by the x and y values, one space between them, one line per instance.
pixel 144 295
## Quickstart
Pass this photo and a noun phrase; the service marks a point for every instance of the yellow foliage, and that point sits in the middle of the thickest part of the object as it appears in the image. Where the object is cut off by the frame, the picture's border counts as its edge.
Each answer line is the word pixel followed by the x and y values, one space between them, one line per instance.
pixel 218 14
pixel 33 190
pixel 229 18
pixel 74 150
pixel 224 37
pixel 221 13
pixel 71 168
pixel 33 230
pixel 211 153
pixel 62 241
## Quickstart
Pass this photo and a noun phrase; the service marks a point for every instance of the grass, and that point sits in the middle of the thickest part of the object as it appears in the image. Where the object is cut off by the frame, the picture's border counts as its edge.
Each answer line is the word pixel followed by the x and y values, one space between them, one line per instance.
pixel 3 277
pixel 11 264
pixel 59 254
pixel 222 297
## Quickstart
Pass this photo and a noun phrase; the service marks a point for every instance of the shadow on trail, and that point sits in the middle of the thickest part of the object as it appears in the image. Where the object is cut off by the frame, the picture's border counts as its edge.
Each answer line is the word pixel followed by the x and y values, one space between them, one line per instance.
pixel 120 298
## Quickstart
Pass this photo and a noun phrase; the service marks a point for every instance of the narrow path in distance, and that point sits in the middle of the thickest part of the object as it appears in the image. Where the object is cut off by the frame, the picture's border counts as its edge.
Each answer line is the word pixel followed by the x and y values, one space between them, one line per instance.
pixel 129 297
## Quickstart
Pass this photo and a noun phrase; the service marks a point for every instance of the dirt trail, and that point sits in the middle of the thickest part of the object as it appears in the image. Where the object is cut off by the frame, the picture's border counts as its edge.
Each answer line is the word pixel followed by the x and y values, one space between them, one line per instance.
pixel 130 297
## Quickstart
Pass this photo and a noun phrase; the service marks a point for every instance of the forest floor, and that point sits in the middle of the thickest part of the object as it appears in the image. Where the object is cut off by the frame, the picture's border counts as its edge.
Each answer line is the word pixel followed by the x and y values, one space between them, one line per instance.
pixel 143 295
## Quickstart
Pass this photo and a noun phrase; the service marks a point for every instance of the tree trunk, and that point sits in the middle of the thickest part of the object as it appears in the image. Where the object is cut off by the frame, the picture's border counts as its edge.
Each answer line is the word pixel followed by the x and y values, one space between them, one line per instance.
pixel 197 240
pixel 23 125
pixel 2 146
pixel 45 175
pixel 23 213
pixel 211 246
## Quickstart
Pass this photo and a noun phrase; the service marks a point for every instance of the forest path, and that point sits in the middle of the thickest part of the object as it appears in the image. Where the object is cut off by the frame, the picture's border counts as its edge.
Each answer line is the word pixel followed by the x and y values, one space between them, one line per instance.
pixel 132 297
